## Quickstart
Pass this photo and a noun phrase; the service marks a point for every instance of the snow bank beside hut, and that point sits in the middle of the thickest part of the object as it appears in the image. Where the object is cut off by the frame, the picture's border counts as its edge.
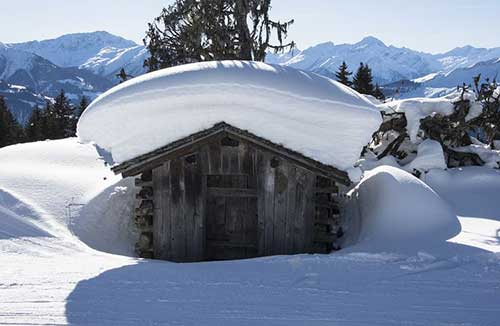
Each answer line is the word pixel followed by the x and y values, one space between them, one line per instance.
pixel 399 213
pixel 303 111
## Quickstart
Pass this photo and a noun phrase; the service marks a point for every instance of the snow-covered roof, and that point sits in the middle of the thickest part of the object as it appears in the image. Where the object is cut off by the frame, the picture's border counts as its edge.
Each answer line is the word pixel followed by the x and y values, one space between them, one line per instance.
pixel 305 112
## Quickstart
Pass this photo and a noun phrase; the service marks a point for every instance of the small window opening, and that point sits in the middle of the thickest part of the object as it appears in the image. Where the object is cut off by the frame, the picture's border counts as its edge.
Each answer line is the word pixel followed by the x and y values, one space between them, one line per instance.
pixel 191 159
pixel 275 162
pixel 229 142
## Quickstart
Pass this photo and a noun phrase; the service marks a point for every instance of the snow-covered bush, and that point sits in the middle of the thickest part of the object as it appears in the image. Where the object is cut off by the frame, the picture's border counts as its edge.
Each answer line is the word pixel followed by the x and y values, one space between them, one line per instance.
pixel 419 134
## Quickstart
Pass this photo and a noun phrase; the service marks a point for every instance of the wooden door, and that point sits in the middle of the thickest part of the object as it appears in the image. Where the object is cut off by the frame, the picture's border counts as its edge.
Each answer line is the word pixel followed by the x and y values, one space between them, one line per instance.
pixel 231 218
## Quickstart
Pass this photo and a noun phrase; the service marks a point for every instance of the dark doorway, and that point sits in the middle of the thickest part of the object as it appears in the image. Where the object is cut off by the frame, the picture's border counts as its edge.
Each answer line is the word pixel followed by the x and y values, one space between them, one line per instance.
pixel 231 218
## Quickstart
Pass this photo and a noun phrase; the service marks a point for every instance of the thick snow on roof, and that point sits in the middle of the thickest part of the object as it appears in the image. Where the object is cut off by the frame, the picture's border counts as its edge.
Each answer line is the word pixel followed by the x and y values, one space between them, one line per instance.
pixel 303 111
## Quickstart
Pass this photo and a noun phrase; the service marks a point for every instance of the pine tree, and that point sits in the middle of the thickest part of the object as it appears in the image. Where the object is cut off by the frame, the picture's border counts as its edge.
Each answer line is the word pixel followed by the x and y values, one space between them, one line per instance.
pixel 343 74
pixel 34 129
pixel 77 113
pixel 369 80
pixel 57 120
pixel 123 76
pixel 84 102
pixel 378 93
pixel 61 117
pixel 363 80
pixel 11 131
pixel 193 31
pixel 48 123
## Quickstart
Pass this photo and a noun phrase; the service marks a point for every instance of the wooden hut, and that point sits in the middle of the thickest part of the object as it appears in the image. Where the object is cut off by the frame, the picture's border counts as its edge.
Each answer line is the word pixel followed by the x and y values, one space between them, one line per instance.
pixel 266 182
pixel 225 193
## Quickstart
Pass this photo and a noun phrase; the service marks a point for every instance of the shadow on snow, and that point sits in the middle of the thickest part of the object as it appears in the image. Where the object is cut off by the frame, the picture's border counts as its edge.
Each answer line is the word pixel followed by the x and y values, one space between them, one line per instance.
pixel 354 288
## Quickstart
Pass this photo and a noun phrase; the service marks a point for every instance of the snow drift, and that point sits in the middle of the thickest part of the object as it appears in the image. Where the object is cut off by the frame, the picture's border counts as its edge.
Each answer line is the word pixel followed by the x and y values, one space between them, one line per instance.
pixel 398 212
pixel 17 219
pixel 311 114
pixel 106 222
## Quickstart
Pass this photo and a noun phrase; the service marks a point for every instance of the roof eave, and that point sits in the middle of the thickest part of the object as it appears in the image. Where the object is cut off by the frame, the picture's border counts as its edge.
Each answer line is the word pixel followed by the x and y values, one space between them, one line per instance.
pixel 136 165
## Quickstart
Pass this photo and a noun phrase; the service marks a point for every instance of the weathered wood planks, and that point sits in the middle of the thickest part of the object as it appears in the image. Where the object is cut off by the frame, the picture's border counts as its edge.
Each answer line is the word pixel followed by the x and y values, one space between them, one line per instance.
pixel 228 198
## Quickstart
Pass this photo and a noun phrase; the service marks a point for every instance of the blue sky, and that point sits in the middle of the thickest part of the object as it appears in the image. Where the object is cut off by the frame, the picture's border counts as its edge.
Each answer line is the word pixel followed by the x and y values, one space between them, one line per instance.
pixel 426 25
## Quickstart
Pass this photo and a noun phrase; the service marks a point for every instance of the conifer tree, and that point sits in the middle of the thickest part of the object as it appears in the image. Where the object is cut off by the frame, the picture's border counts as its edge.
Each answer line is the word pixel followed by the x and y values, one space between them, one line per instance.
pixel 378 93
pixel 48 123
pixel 82 105
pixel 363 80
pixel 11 131
pixel 343 74
pixel 77 113
pixel 192 31
pixel 34 129
pixel 123 76
pixel 61 117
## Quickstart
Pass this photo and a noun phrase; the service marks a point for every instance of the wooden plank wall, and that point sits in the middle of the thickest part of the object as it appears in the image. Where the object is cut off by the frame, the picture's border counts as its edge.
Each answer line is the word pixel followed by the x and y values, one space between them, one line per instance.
pixel 286 197
pixel 286 209
pixel 327 228
pixel 144 214
pixel 179 228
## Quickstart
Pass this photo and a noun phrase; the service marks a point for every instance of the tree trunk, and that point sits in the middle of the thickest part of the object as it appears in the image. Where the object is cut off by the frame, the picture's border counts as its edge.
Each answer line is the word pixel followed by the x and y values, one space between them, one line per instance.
pixel 241 13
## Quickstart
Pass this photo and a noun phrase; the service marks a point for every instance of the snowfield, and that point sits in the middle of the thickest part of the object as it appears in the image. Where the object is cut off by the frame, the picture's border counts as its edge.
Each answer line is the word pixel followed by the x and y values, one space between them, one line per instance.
pixel 65 264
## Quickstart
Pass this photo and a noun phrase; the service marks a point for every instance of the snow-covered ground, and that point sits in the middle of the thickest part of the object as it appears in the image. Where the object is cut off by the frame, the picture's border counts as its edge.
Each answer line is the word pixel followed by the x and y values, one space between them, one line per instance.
pixel 50 276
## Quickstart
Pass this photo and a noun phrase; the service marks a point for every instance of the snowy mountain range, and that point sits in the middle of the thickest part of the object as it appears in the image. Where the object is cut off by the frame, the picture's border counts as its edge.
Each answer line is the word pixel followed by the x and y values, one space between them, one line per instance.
pixel 83 64
pixel 465 57
pixel 87 64
pixel 443 83
pixel 100 52
pixel 27 79
pixel 389 63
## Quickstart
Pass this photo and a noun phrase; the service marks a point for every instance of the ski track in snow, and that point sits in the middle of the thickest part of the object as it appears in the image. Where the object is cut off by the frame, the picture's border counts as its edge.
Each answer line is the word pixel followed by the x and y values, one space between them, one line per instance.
pixel 49 277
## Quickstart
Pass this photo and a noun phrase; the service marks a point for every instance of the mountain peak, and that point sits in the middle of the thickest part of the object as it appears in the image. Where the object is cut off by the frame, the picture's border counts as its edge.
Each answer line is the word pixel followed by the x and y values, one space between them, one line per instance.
pixel 325 46
pixel 388 63
pixel 371 40
pixel 97 37
pixel 463 51
pixel 73 50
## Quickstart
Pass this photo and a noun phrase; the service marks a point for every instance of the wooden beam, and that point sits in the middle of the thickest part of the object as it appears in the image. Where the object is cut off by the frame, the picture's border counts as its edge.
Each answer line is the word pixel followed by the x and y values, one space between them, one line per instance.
pixel 231 192
pixel 141 183
pixel 324 237
pixel 325 204
pixel 225 244
pixel 327 220
pixel 327 190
